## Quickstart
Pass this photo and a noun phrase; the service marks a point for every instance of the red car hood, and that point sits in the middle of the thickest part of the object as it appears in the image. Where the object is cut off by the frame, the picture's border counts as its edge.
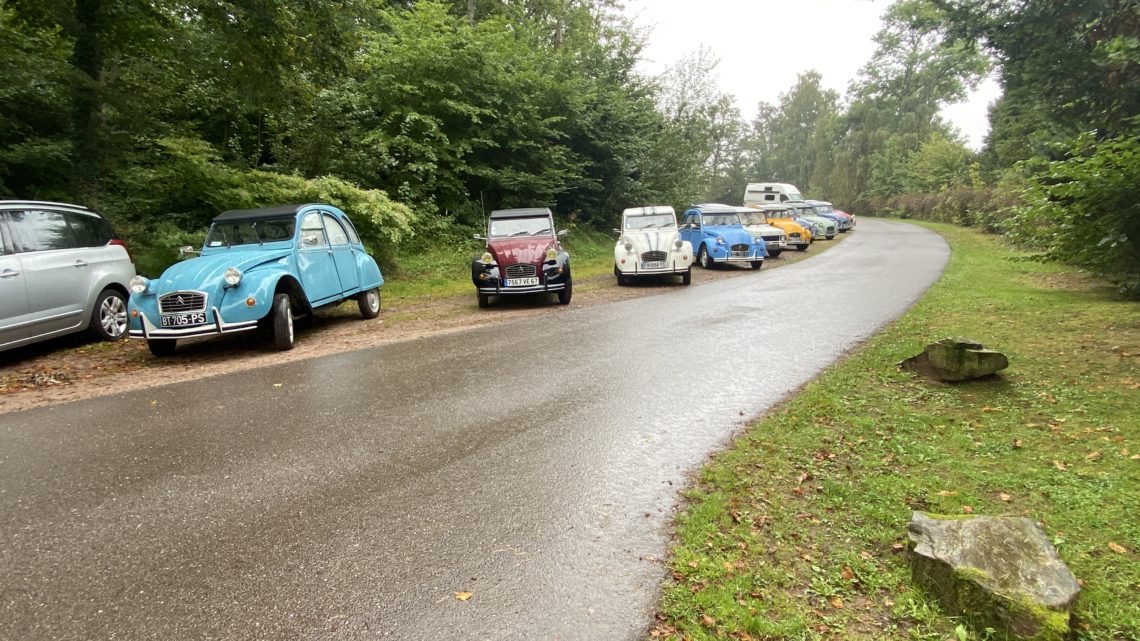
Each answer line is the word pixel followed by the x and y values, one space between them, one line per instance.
pixel 528 249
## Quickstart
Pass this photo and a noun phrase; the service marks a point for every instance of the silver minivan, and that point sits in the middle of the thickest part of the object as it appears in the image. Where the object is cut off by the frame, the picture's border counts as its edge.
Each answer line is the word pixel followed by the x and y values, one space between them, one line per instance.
pixel 62 270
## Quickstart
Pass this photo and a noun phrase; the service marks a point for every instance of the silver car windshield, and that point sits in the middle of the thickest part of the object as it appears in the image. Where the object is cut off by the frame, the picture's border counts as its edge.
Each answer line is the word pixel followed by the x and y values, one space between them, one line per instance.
pixel 507 227
pixel 655 221
pixel 823 209
pixel 753 219
pixel 722 219
pixel 250 232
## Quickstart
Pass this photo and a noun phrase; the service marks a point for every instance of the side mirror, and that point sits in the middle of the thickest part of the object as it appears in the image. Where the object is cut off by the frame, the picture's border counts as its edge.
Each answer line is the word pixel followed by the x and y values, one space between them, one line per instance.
pixel 479 237
pixel 562 233
pixel 617 231
pixel 187 250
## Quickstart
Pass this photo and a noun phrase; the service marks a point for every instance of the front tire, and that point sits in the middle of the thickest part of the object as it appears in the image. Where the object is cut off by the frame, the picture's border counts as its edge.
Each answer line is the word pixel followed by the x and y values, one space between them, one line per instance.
pixel 565 294
pixel 775 253
pixel 161 347
pixel 484 300
pixel 369 303
pixel 687 277
pixel 109 318
pixel 757 264
pixel 802 248
pixel 282 320
pixel 621 279
pixel 704 259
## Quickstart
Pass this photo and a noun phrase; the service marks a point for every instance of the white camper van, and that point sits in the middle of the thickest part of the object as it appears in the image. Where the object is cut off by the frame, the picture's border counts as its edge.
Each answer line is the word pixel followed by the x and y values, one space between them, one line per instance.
pixel 770 194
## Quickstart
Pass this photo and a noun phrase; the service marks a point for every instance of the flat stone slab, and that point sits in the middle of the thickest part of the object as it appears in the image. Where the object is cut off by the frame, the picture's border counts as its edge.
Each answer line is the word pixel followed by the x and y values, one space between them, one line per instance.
pixel 956 359
pixel 1002 572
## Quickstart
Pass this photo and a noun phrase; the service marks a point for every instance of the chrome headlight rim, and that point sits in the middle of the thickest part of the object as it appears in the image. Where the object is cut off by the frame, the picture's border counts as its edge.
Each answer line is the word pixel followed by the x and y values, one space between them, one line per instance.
pixel 232 277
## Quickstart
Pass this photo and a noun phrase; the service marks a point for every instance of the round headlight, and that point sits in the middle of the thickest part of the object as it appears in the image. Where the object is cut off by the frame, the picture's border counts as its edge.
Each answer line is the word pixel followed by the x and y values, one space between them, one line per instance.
pixel 551 254
pixel 487 258
pixel 720 240
pixel 138 284
pixel 678 244
pixel 628 246
pixel 232 276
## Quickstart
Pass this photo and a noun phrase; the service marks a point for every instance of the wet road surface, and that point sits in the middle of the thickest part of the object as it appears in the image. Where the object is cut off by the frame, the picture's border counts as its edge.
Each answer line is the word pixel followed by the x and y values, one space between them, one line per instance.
pixel 532 464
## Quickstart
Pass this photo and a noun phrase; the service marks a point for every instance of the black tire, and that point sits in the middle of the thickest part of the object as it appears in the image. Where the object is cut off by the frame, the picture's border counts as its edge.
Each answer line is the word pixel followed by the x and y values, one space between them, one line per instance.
pixel 757 264
pixel 565 294
pixel 281 319
pixel 484 299
pixel 161 347
pixel 831 237
pixel 774 253
pixel 687 277
pixel 369 303
pixel 802 248
pixel 109 318
pixel 704 259
pixel 621 280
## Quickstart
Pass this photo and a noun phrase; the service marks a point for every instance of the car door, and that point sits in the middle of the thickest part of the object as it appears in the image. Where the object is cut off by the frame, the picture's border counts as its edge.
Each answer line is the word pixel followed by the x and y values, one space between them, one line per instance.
pixel 13 290
pixel 344 255
pixel 315 263
pixel 690 231
pixel 57 273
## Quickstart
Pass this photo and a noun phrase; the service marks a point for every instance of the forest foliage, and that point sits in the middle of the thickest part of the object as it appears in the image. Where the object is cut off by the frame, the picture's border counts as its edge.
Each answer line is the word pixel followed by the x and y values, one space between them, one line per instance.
pixel 420 115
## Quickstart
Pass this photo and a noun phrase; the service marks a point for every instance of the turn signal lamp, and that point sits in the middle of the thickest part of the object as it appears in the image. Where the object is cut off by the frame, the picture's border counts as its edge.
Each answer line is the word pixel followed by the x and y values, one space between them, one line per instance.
pixel 250 302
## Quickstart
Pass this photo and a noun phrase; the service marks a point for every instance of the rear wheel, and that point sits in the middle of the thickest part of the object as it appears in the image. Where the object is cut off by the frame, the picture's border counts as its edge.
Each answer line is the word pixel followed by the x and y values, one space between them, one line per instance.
pixel 565 294
pixel 484 299
pixel 161 347
pixel 109 318
pixel 687 277
pixel 282 320
pixel 704 259
pixel 802 248
pixel 369 303
pixel 774 252
pixel 757 264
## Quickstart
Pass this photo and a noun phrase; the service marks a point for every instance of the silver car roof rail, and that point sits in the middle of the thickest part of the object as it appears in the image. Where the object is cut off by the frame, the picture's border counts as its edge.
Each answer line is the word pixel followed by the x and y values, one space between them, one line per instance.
pixel 4 203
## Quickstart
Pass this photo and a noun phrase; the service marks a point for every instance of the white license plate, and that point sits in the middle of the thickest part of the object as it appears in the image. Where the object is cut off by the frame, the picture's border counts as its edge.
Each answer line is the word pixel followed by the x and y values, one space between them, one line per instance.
pixel 178 320
pixel 520 282
pixel 654 264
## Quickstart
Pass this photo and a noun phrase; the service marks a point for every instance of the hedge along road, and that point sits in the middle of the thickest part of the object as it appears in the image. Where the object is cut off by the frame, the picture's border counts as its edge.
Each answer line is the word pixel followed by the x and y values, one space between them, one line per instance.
pixel 508 482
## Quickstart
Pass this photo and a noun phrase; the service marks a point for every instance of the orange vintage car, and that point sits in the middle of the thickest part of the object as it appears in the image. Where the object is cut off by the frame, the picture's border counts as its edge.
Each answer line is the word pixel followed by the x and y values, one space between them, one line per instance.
pixel 783 217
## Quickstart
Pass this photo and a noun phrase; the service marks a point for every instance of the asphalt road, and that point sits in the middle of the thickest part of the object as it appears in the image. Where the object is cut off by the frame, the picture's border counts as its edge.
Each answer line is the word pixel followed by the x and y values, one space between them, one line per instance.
pixel 533 464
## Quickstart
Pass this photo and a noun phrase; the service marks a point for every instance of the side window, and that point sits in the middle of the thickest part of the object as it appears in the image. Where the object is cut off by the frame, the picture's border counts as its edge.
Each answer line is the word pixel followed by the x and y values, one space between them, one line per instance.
pixel 89 231
pixel 353 237
pixel 40 230
pixel 312 232
pixel 337 235
pixel 3 233
pixel 769 197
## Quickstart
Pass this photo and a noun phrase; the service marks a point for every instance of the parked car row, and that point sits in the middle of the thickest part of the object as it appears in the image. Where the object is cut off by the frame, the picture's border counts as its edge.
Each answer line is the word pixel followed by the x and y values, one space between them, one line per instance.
pixel 63 269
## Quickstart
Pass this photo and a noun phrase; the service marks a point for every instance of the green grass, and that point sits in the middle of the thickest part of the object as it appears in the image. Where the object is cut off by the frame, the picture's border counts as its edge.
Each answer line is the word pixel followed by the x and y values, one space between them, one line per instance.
pixel 798 530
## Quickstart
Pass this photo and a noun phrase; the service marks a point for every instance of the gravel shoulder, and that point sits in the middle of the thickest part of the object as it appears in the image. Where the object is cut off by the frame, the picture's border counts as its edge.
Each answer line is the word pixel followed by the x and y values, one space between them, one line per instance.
pixel 70 368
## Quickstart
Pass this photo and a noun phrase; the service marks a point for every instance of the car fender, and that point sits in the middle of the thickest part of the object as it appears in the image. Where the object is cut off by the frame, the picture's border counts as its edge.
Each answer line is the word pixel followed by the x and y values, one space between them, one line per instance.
pixel 260 285
pixel 370 277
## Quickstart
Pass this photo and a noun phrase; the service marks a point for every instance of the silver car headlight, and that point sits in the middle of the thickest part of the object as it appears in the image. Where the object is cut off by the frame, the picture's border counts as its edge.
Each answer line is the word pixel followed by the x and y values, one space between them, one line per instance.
pixel 139 284
pixel 232 276
pixel 678 244
pixel 720 240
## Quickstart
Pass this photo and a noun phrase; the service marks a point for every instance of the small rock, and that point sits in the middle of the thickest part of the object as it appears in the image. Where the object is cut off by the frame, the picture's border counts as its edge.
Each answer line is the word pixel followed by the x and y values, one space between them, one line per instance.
pixel 1000 572
pixel 956 359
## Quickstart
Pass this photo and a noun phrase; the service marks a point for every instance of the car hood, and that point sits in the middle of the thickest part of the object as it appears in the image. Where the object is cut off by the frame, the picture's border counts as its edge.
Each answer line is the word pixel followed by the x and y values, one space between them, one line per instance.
pixel 819 219
pixel 764 230
pixel 205 272
pixel 651 239
pixel 530 250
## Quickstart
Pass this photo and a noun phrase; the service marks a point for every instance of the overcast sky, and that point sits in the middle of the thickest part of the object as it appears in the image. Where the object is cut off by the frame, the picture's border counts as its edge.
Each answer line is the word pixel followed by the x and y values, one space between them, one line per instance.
pixel 763 44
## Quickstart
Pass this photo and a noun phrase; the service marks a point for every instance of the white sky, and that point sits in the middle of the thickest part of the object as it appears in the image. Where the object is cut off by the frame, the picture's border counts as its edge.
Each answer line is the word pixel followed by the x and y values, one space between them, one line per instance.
pixel 764 44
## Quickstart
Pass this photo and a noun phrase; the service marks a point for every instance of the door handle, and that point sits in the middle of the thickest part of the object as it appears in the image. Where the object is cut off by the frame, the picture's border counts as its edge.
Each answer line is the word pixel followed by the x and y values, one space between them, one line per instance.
pixel 9 273
pixel 80 263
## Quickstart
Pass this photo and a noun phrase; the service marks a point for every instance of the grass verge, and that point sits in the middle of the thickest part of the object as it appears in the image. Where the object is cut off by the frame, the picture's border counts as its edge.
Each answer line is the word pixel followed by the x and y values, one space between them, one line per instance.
pixel 798 531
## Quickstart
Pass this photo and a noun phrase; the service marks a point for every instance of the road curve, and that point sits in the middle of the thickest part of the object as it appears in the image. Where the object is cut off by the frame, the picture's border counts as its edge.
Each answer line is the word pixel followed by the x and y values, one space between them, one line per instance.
pixel 531 464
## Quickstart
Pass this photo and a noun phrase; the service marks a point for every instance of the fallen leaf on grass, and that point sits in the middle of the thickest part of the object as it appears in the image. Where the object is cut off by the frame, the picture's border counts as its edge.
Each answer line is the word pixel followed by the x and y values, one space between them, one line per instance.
pixel 966 509
pixel 897 547
pixel 947 493
pixel 463 596
pixel 277 385
pixel 987 409
pixel 1116 547
pixel 866 556
pixel 1017 444
pixel 1005 497
pixel 708 621
pixel 1093 456
pixel 847 573
pixel 837 603
pixel 1059 465
pixel 692 564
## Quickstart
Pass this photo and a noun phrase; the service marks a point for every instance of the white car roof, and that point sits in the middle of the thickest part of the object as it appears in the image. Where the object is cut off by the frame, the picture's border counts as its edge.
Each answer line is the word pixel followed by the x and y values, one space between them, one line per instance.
pixel 649 211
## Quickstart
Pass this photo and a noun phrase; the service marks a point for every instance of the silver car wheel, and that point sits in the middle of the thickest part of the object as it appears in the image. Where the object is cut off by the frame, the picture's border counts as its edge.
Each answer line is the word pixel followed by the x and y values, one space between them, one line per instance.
pixel 113 316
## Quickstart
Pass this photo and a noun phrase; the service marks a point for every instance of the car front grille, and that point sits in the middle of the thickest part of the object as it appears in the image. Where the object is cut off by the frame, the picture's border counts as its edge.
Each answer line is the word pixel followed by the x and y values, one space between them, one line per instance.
pixel 772 239
pixel 653 256
pixel 178 302
pixel 521 271
pixel 739 249
pixel 795 235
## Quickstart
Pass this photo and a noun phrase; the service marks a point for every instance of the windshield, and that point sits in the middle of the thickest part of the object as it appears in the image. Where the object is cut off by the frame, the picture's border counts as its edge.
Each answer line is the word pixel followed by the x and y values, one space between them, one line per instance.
pixel 794 195
pixel 508 227
pixel 779 213
pixel 753 218
pixel 250 232
pixel 722 219
pixel 824 209
pixel 655 221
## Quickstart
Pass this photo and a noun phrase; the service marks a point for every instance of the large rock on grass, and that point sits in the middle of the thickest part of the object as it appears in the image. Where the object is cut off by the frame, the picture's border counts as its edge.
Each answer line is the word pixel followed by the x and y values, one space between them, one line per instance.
pixel 999 572
pixel 956 359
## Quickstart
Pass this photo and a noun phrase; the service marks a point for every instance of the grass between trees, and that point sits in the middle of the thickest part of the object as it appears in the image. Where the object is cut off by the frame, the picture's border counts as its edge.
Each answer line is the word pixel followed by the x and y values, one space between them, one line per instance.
pixel 798 531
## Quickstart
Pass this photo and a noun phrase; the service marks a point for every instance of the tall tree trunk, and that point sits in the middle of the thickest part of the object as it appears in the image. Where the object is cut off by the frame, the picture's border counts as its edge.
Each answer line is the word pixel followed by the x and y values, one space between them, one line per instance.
pixel 87 103
pixel 471 12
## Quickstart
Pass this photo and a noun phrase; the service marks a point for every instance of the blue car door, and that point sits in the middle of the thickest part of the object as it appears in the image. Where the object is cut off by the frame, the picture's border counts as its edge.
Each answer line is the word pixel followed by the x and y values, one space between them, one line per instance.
pixel 691 231
pixel 315 261
pixel 343 254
